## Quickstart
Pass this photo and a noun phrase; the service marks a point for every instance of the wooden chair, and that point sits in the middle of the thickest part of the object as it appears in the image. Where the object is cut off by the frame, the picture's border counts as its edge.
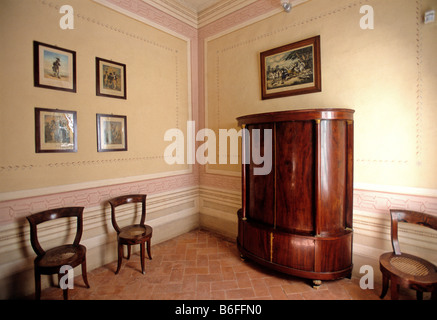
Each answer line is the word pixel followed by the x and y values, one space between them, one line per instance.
pixel 132 234
pixel 51 261
pixel 404 269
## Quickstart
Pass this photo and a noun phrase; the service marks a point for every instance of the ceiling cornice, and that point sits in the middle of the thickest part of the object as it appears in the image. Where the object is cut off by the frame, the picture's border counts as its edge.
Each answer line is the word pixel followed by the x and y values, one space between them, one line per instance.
pixel 201 18
pixel 177 10
pixel 220 10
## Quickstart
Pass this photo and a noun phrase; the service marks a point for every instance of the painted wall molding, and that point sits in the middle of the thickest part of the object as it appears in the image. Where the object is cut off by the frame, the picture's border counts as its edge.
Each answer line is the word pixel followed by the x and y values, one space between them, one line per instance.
pixel 21 204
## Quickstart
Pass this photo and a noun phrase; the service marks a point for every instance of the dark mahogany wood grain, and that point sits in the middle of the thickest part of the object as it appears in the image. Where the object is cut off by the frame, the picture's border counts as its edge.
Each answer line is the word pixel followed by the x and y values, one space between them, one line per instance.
pixel 298 218
pixel 259 188
pixel 295 167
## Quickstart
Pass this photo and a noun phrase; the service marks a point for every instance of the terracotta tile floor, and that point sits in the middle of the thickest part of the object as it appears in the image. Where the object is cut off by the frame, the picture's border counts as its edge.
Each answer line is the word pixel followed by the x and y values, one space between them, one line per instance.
pixel 200 265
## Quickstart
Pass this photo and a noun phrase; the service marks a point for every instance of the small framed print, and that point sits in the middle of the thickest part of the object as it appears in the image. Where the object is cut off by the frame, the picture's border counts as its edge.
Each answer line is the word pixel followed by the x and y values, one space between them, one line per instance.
pixel 111 133
pixel 110 79
pixel 55 130
pixel 291 69
pixel 54 67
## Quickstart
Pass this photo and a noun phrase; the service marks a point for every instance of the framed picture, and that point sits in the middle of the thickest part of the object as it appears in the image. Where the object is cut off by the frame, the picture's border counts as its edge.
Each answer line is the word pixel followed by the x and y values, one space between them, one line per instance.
pixel 55 130
pixel 54 67
pixel 111 133
pixel 110 79
pixel 291 69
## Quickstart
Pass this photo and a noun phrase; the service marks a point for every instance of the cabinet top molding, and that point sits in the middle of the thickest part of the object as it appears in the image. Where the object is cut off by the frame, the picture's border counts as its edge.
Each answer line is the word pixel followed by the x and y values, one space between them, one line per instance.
pixel 297 115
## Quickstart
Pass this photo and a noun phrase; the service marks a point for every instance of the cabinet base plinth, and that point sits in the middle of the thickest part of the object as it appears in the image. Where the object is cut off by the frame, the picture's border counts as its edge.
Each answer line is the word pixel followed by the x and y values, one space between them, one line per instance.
pixel 311 275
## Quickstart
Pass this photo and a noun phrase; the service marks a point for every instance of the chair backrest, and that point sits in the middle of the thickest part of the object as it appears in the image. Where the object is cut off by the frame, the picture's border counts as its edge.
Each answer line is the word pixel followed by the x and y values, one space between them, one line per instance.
pixel 414 217
pixel 47 215
pixel 132 198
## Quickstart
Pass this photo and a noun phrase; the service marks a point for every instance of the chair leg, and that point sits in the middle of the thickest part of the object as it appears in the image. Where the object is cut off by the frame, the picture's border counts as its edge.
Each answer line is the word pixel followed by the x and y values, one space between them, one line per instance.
pixel 37 286
pixel 128 252
pixel 394 290
pixel 120 257
pixel 419 295
pixel 64 290
pixel 385 282
pixel 148 249
pixel 142 254
pixel 84 273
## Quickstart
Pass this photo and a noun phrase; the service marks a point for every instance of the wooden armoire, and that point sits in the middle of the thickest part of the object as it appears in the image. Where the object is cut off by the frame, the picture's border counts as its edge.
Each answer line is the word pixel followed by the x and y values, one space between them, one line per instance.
pixel 297 217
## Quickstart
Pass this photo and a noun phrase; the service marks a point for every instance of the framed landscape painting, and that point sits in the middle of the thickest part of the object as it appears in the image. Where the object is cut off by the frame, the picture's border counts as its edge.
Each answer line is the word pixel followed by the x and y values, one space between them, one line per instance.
pixel 111 133
pixel 110 79
pixel 291 69
pixel 54 67
pixel 55 130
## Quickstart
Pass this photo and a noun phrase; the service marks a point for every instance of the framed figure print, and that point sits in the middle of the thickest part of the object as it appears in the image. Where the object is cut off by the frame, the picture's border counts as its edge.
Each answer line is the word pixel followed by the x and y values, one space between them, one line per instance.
pixel 55 130
pixel 111 133
pixel 291 69
pixel 110 79
pixel 54 67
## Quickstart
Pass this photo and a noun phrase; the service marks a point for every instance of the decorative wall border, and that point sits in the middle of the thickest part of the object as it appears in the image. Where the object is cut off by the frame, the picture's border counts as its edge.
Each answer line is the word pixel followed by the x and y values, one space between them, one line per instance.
pixel 382 201
pixel 11 210
pixel 80 163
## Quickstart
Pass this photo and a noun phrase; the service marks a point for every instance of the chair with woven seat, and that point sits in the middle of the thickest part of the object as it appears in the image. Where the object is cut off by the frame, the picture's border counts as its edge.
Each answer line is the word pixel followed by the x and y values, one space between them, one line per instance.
pixel 53 260
pixel 132 234
pixel 406 270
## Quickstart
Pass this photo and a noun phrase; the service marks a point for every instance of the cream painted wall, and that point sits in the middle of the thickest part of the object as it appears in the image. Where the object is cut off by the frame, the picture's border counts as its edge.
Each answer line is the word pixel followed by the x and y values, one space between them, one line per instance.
pixel 388 75
pixel 158 94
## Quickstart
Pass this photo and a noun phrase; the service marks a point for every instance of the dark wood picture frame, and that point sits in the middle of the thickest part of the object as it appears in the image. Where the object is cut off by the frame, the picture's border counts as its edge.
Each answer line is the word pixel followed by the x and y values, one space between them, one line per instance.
pixel 292 69
pixel 111 132
pixel 110 79
pixel 54 67
pixel 55 130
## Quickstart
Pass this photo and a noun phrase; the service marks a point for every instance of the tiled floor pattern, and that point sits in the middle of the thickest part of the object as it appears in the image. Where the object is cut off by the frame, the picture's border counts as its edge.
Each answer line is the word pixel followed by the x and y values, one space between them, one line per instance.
pixel 200 265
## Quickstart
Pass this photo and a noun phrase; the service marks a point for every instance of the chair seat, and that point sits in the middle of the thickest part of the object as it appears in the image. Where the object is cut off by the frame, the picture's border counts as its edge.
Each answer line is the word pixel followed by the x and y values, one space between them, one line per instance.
pixel 409 268
pixel 135 233
pixel 71 255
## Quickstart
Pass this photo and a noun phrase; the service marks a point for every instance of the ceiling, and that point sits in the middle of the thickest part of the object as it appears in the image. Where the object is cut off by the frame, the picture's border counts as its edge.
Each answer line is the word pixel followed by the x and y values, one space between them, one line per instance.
pixel 197 5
